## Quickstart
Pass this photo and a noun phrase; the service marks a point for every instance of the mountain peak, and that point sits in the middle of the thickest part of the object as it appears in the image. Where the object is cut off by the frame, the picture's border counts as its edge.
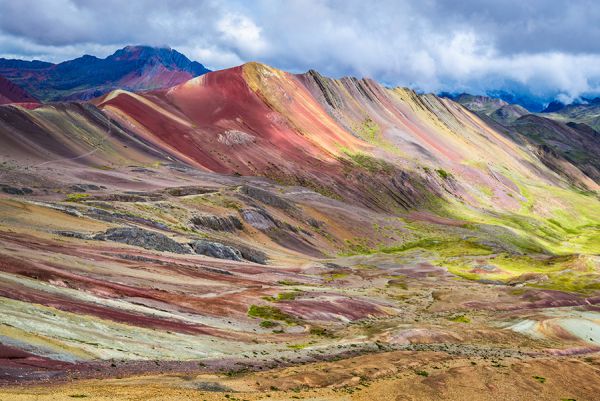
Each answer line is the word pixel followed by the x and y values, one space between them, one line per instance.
pixel 135 68
pixel 554 106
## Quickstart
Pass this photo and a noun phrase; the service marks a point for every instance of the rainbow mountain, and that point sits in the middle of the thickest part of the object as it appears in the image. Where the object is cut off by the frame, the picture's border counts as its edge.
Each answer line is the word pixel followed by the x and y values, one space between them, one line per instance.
pixel 251 211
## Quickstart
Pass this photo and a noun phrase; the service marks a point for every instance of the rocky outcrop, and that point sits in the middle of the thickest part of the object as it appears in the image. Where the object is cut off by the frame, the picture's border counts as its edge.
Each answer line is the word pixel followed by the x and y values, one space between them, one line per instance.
pixel 258 219
pixel 191 190
pixel 251 254
pixel 143 238
pixel 235 137
pixel 216 250
pixel 74 234
pixel 114 217
pixel 85 187
pixel 266 197
pixel 218 223
pixel 15 191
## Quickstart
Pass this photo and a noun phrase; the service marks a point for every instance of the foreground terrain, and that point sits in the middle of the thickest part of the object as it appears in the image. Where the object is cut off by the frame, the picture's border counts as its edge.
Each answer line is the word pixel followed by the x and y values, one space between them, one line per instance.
pixel 253 234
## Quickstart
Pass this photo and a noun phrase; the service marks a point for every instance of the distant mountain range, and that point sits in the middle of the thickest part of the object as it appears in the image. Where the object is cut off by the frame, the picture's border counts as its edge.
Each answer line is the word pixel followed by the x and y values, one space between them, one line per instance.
pixel 570 132
pixel 134 68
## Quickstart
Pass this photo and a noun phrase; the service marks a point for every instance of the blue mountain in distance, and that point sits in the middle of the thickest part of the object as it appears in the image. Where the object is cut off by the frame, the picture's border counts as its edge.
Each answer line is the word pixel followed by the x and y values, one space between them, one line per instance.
pixel 132 68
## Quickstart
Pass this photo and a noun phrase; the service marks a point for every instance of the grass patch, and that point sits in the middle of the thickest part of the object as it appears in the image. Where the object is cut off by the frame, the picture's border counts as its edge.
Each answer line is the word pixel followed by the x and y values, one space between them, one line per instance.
pixel 267 324
pixel 422 373
pixel 540 379
pixel 284 296
pixel 76 197
pixel 460 319
pixel 298 346
pixel 320 332
pixel 369 163
pixel 368 130
pixel 443 174
pixel 270 313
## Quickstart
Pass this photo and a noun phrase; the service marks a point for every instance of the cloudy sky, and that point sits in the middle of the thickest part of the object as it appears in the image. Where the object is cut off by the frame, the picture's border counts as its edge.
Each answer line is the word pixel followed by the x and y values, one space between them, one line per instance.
pixel 552 47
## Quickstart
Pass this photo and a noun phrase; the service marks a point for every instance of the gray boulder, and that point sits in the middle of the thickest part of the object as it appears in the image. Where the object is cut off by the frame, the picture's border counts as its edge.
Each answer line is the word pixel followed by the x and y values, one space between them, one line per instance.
pixel 216 250
pixel 218 223
pixel 143 238
pixel 258 219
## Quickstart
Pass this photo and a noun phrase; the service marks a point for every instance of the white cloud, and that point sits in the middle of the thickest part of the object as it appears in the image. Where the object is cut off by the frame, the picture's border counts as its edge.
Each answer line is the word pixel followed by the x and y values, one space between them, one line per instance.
pixel 241 33
pixel 431 45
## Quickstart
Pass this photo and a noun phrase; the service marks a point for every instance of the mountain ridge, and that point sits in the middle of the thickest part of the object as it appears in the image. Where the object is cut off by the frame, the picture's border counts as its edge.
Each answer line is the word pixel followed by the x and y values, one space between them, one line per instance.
pixel 132 67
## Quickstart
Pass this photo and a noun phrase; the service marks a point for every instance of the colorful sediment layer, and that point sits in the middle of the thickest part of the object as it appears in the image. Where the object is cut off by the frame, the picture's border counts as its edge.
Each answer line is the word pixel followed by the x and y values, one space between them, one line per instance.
pixel 254 234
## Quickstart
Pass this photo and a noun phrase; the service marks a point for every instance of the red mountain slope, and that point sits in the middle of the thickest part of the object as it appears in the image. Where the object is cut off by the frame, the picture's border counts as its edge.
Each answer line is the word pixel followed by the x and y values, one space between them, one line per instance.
pixel 11 93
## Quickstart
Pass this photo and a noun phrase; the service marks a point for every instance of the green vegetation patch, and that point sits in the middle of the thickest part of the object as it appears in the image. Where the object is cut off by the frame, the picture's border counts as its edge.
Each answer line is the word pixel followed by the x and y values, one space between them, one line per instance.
pixel 460 319
pixel 320 332
pixel 370 163
pixel 284 296
pixel 267 324
pixel 444 247
pixel 76 197
pixel 571 273
pixel 271 313
pixel 443 174
pixel 369 130
pixel 540 379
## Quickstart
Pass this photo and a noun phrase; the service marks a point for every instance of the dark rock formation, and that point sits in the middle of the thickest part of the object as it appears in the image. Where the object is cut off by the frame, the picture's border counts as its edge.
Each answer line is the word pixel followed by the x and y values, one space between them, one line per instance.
pixel 266 197
pixel 191 190
pixel 217 223
pixel 15 191
pixel 216 250
pixel 142 238
pixel 84 187
pixel 74 234
pixel 258 219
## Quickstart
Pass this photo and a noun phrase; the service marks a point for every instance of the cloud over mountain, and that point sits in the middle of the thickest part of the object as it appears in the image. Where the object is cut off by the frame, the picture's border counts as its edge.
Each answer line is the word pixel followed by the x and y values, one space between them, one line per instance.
pixel 552 48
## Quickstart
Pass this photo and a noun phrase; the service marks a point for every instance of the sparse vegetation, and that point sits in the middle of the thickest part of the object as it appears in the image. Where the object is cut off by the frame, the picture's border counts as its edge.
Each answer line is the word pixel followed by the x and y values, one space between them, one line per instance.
pixel 443 173
pixel 270 313
pixel 370 163
pixel 540 379
pixel 460 319
pixel 284 296
pixel 320 332
pixel 76 197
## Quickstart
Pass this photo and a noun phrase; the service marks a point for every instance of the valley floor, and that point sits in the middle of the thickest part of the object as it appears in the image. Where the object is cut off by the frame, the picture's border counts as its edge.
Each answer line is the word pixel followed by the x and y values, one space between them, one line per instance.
pixel 103 298
pixel 383 376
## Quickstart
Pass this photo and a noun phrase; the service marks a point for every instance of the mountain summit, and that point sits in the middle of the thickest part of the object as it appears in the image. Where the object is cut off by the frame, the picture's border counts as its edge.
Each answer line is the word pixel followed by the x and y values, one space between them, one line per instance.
pixel 135 68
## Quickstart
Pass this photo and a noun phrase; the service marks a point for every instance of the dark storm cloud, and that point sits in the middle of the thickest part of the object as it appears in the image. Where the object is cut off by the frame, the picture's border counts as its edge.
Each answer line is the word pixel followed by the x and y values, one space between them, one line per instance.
pixel 553 47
